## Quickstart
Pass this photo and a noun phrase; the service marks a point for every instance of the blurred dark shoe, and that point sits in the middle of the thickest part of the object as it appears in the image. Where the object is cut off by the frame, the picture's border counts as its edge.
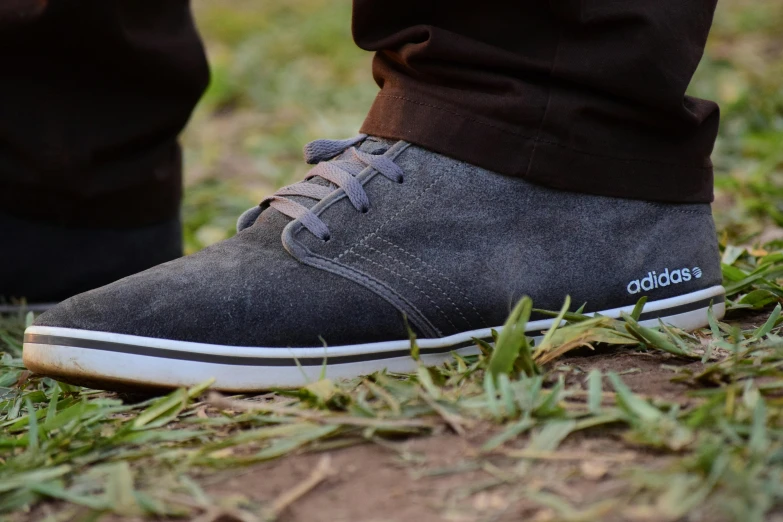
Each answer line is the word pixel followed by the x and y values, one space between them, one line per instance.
pixel 42 264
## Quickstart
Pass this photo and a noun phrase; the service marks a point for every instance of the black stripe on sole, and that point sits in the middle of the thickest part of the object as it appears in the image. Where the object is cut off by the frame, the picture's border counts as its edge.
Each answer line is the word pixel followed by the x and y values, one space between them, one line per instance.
pixel 681 309
pixel 165 353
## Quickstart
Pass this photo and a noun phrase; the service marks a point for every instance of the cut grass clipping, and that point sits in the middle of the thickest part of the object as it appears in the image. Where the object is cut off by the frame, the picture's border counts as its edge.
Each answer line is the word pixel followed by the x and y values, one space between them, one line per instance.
pixel 92 452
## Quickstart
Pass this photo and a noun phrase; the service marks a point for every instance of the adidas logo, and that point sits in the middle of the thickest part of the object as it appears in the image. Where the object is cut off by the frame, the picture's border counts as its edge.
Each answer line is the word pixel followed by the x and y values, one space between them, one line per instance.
pixel 665 278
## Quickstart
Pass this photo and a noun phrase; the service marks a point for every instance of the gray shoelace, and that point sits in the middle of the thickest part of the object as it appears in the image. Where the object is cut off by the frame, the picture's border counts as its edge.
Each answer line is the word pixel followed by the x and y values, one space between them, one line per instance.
pixel 340 173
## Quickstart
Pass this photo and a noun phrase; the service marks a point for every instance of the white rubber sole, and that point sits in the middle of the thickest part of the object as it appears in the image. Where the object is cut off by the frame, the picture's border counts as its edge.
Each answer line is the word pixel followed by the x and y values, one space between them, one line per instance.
pixel 110 360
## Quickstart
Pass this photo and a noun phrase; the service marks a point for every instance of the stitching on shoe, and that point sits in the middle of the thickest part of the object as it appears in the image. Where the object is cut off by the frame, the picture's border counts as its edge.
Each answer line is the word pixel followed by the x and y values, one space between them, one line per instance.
pixel 302 253
pixel 414 285
pixel 423 275
pixel 386 292
pixel 439 273
pixel 399 211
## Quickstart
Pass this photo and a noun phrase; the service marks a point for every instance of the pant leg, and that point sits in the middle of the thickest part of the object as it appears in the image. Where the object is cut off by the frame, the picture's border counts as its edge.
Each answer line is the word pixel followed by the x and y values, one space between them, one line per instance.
pixel 582 95
pixel 93 96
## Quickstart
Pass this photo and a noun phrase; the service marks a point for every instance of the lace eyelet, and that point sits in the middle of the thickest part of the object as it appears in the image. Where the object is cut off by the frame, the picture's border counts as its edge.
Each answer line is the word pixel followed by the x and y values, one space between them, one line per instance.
pixel 401 180
pixel 327 238
pixel 364 210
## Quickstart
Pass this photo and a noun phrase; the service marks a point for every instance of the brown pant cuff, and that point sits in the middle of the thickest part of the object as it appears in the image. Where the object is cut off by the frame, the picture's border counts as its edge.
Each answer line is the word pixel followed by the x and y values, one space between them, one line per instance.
pixel 516 152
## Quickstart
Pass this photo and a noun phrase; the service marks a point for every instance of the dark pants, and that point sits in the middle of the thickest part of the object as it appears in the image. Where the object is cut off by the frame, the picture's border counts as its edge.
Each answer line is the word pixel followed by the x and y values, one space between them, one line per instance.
pixel 583 95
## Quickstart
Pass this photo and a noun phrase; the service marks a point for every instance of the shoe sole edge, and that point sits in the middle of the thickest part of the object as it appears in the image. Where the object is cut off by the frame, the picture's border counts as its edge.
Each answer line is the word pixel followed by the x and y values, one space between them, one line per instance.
pixel 81 356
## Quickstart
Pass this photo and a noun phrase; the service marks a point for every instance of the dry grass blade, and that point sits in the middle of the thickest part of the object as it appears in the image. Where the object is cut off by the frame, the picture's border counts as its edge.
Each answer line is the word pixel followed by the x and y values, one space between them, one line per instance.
pixel 546 342
pixel 226 515
pixel 598 330
pixel 321 472
pixel 220 402
pixel 561 455
pixel 454 421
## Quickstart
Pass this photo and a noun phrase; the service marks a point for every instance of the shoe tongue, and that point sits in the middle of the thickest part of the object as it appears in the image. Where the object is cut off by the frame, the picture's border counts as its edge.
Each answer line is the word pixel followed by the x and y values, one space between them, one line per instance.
pixel 375 145
pixel 371 145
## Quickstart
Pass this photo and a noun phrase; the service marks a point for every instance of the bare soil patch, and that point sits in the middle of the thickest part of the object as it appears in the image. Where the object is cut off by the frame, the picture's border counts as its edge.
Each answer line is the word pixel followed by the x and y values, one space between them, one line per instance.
pixel 445 477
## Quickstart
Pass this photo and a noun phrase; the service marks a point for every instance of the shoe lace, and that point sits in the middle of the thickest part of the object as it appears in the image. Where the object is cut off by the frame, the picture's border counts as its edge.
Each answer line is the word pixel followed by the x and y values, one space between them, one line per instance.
pixel 340 173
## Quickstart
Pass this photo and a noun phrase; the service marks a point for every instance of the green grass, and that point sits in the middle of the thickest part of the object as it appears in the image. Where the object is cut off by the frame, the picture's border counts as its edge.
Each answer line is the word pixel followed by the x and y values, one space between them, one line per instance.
pixel 743 70
pixel 286 73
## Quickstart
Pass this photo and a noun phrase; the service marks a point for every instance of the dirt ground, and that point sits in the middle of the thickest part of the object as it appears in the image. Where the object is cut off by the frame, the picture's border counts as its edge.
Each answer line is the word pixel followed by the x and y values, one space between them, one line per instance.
pixel 445 477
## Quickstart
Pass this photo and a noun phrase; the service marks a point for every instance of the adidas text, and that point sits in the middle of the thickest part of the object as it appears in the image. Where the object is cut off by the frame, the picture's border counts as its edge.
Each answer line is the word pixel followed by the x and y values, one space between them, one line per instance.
pixel 655 280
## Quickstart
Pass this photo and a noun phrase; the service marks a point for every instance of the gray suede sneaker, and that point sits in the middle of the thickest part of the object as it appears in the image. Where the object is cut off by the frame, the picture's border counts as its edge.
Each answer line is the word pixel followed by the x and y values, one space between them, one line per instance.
pixel 326 270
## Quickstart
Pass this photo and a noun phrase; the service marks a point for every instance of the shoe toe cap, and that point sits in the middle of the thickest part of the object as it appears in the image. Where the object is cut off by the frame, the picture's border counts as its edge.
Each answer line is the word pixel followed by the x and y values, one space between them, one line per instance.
pixel 228 296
